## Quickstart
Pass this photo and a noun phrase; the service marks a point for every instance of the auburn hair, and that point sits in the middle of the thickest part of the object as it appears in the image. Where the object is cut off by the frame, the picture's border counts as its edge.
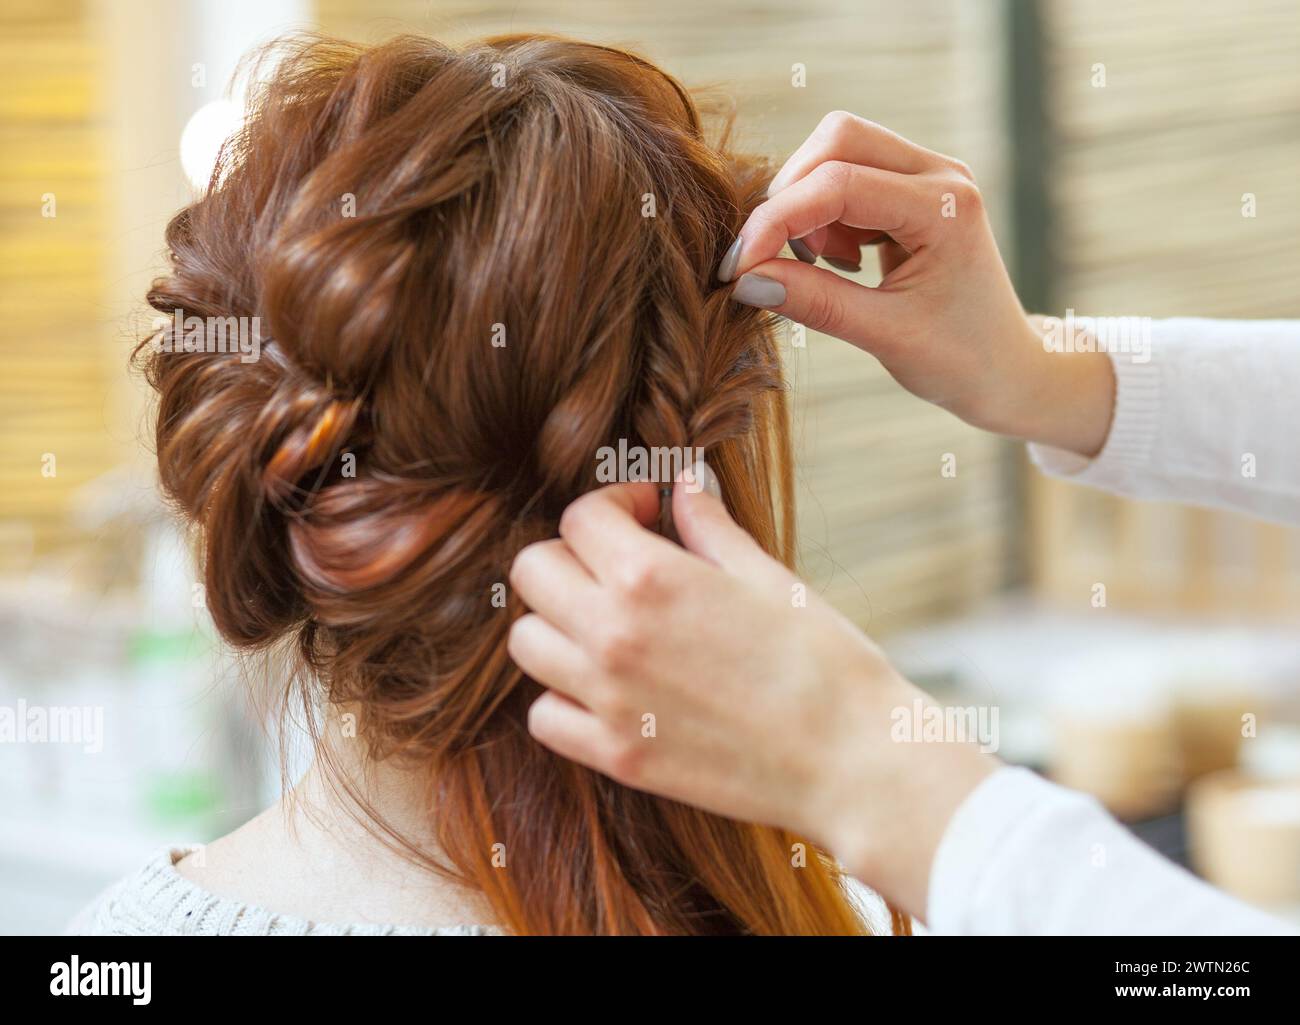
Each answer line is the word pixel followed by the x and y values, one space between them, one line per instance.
pixel 473 268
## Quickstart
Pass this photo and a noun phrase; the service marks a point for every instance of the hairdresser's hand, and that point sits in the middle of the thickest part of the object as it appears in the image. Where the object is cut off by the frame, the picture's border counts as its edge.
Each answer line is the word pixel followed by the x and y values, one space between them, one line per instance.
pixel 713 677
pixel 945 321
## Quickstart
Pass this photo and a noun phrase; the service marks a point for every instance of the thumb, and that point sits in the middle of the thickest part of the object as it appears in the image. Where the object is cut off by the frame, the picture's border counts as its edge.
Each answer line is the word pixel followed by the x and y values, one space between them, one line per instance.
pixel 817 298
pixel 707 529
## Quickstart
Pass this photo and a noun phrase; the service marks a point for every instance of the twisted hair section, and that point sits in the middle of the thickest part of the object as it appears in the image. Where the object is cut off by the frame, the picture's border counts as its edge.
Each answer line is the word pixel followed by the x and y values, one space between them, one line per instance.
pixel 473 269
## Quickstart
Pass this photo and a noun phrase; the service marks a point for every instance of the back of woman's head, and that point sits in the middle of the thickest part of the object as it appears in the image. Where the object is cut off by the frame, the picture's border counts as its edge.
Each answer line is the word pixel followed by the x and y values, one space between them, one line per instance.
pixel 472 270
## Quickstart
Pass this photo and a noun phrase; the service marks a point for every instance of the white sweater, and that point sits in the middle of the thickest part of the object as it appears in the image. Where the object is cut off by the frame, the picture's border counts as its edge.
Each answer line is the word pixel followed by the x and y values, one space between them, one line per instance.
pixel 1208 420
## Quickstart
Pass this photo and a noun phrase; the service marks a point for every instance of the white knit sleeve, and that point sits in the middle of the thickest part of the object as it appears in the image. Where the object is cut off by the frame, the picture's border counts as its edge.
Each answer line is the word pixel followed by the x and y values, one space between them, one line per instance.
pixel 1207 414
pixel 1023 856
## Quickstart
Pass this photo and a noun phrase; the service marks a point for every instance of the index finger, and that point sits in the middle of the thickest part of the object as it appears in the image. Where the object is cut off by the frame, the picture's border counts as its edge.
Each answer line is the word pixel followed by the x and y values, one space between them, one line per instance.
pixel 607 527
pixel 900 205
pixel 847 137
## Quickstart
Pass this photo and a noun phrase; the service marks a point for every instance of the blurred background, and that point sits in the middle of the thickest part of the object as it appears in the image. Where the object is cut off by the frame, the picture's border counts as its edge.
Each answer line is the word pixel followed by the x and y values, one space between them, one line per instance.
pixel 1147 654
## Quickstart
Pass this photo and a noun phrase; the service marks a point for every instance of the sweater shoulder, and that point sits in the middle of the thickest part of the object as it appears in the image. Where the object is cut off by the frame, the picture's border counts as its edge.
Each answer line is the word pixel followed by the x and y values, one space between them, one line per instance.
pixel 156 900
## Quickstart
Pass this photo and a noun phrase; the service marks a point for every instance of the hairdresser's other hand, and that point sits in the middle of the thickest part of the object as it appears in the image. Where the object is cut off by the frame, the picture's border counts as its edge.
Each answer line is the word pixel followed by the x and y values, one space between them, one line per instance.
pixel 945 320
pixel 712 676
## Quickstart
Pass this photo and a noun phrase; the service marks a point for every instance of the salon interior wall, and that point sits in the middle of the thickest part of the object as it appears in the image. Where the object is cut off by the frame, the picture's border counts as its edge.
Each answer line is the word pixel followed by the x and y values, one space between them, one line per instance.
pixel 54 209
pixel 1172 190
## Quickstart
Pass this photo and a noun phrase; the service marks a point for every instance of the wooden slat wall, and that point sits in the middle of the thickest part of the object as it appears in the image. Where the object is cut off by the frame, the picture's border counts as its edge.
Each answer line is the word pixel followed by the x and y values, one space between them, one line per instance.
pixel 1201 104
pixel 54 382
pixel 888 538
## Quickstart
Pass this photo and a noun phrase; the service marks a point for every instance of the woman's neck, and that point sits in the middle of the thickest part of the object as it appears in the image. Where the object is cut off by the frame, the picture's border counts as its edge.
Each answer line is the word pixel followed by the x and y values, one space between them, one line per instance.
pixel 317 855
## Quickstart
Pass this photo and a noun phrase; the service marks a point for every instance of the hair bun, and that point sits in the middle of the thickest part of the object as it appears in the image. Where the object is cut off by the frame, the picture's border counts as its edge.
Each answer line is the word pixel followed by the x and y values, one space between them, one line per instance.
pixel 314 427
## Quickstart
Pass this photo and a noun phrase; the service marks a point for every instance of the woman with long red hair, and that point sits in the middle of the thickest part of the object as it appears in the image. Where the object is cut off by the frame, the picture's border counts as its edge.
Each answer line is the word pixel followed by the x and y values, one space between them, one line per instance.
pixel 474 269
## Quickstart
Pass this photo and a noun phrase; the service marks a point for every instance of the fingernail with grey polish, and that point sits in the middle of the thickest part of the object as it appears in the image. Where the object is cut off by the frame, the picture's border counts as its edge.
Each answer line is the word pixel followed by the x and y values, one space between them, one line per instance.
pixel 756 290
pixel 848 266
pixel 730 261
pixel 800 249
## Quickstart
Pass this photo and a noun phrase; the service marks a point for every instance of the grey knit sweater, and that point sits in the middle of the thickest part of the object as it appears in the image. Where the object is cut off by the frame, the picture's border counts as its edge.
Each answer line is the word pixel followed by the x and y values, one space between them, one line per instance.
pixel 158 901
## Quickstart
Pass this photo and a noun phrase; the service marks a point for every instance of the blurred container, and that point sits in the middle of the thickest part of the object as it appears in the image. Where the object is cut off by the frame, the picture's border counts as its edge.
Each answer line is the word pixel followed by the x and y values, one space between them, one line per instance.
pixel 1207 720
pixel 175 715
pixel 1244 836
pixel 1131 764
pixel 1114 733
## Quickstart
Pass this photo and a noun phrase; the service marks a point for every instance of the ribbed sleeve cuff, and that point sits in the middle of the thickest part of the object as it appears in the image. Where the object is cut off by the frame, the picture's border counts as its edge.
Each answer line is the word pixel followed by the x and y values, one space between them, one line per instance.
pixel 1134 427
